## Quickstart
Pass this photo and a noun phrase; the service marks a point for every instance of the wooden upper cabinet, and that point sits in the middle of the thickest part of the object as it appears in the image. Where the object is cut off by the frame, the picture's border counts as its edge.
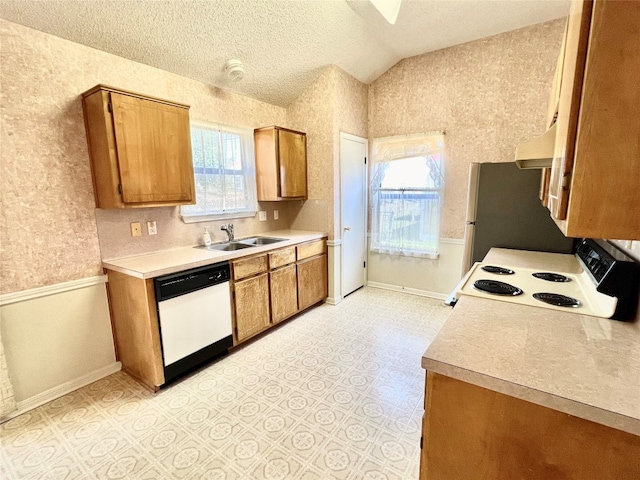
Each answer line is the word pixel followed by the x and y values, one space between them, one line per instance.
pixel 571 63
pixel 281 164
pixel 593 188
pixel 554 97
pixel 140 149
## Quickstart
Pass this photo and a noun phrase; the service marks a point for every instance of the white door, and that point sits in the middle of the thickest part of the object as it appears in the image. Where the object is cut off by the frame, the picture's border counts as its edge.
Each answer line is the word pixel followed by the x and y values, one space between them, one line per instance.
pixel 353 211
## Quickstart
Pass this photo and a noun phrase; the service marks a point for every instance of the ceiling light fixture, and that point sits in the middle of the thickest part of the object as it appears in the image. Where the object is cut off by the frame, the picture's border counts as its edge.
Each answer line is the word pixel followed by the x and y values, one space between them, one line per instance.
pixel 388 8
pixel 234 70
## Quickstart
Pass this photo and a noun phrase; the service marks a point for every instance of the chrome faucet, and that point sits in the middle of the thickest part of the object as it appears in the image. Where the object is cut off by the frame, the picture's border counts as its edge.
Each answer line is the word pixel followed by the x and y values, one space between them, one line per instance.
pixel 229 230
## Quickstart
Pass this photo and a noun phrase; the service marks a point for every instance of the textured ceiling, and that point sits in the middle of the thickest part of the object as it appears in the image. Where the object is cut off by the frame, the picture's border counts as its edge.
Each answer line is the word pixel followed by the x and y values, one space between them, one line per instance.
pixel 284 44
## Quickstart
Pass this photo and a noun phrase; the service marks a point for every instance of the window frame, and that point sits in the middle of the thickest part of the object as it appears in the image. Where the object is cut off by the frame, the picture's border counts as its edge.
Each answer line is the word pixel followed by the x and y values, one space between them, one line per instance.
pixel 386 151
pixel 248 172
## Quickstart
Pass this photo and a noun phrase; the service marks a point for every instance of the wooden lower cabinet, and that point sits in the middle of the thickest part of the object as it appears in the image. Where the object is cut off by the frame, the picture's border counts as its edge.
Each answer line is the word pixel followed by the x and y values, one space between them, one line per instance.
pixel 134 318
pixel 251 305
pixel 270 288
pixel 312 281
pixel 470 433
pixel 284 293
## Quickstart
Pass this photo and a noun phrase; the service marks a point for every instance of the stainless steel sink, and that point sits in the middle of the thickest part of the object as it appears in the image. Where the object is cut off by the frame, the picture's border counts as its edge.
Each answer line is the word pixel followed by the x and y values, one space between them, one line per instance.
pixel 228 246
pixel 242 243
pixel 254 241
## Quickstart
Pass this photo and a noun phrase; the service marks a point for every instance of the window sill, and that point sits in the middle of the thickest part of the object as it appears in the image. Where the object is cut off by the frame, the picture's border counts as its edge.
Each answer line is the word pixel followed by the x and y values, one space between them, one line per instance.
pixel 214 217
pixel 400 253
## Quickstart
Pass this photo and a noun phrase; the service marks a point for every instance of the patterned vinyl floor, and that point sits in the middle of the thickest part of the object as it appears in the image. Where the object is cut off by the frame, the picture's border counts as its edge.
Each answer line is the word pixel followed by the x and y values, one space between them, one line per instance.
pixel 334 394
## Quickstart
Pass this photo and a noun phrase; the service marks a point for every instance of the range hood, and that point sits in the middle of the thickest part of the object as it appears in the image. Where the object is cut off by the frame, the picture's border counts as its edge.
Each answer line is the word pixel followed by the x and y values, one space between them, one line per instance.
pixel 537 153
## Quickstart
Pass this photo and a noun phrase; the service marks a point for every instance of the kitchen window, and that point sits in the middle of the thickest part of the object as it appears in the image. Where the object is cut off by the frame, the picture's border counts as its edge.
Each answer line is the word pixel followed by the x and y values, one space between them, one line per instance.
pixel 224 171
pixel 407 186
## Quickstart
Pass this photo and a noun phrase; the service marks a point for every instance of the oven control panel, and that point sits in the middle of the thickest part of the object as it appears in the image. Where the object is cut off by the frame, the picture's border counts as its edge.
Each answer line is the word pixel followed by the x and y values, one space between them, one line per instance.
pixel 615 274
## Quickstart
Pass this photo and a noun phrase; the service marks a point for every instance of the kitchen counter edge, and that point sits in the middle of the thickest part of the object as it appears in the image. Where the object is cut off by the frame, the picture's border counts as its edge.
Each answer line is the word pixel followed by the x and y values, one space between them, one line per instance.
pixel 184 258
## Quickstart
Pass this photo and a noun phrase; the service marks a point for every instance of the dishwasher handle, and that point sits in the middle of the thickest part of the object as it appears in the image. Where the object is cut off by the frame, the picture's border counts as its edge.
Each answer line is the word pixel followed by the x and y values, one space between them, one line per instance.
pixel 176 284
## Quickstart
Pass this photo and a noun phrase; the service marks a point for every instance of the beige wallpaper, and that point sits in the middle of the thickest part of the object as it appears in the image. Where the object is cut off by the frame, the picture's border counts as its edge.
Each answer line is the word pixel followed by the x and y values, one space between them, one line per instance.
pixel 116 241
pixel 334 103
pixel 630 247
pixel 350 116
pixel 487 96
pixel 312 113
pixel 48 230
pixel 350 104
pixel 49 226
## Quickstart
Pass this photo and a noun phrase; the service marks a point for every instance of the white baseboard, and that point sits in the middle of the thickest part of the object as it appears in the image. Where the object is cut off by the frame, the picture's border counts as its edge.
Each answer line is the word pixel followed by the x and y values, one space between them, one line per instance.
pixel 333 300
pixel 61 390
pixel 412 291
pixel 452 241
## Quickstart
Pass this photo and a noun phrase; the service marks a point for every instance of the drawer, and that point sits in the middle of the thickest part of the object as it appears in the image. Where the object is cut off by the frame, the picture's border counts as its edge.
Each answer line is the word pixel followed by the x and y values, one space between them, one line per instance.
pixel 250 266
pixel 311 249
pixel 282 257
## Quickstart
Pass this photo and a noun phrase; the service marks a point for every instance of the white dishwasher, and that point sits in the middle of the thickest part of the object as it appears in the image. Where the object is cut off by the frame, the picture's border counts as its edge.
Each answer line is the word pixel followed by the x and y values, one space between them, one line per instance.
pixel 194 312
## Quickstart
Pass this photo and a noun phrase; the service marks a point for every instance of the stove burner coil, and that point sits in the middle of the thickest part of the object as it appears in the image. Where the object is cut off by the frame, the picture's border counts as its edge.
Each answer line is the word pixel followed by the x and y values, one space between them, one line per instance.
pixel 498 270
pixel 557 300
pixel 497 288
pixel 551 277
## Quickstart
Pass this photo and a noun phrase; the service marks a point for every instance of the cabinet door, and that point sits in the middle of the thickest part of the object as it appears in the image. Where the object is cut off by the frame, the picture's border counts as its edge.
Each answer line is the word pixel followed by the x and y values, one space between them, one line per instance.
pixel 292 149
pixel 153 143
pixel 554 97
pixel 251 303
pixel 573 65
pixel 312 281
pixel 503 437
pixel 284 295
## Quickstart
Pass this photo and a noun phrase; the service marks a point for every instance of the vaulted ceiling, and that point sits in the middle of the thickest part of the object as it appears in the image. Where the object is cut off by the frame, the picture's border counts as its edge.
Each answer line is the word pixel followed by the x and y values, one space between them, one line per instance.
pixel 283 44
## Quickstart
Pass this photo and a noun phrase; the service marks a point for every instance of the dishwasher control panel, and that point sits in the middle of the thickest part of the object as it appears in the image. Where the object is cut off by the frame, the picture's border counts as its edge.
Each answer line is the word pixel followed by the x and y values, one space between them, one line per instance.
pixel 170 286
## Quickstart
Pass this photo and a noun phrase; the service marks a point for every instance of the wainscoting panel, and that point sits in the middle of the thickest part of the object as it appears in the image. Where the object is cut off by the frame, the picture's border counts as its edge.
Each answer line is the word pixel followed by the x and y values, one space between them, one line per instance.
pixel 56 339
pixel 421 276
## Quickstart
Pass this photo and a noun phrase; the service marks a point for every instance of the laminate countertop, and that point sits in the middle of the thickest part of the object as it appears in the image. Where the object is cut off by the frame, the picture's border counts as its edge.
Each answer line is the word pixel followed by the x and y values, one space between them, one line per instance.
pixel 178 259
pixel 585 366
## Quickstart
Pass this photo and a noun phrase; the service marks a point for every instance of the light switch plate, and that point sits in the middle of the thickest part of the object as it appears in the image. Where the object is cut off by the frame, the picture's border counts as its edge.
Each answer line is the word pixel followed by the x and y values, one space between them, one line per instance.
pixel 262 216
pixel 152 229
pixel 136 229
pixel 275 214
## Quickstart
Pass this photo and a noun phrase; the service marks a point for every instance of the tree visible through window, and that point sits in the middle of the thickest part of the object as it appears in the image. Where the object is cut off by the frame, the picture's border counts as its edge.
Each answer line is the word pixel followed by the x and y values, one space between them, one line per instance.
pixel 407 185
pixel 224 173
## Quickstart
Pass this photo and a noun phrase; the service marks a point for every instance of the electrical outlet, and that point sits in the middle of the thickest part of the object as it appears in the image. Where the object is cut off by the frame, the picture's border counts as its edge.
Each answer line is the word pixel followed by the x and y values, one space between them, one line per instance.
pixel 262 216
pixel 275 214
pixel 151 228
pixel 136 229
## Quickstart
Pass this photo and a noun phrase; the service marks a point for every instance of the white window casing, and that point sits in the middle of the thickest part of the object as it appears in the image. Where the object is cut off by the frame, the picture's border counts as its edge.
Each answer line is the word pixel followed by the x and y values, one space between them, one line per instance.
pixel 224 171
pixel 407 187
